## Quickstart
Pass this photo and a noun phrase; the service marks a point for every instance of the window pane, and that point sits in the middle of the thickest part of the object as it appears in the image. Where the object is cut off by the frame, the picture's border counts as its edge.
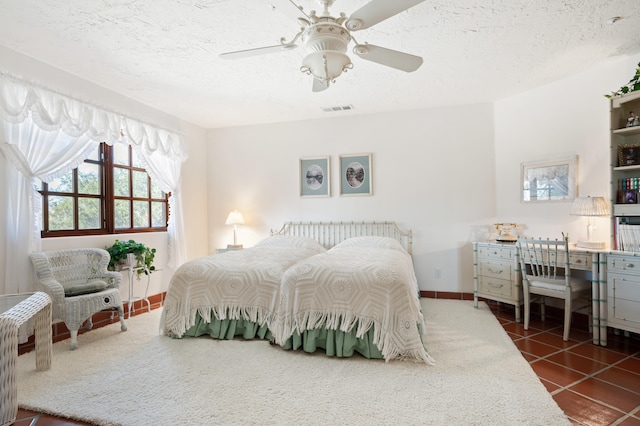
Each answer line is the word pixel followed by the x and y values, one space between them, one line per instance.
pixel 120 182
pixel 122 214
pixel 121 154
pixel 140 214
pixel 62 184
pixel 135 160
pixel 60 213
pixel 89 179
pixel 89 213
pixel 158 216
pixel 95 154
pixel 37 184
pixel 140 184
pixel 156 192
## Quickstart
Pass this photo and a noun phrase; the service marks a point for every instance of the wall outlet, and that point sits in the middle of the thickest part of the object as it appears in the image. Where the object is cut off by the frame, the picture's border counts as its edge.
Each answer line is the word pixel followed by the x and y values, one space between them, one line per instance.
pixel 438 273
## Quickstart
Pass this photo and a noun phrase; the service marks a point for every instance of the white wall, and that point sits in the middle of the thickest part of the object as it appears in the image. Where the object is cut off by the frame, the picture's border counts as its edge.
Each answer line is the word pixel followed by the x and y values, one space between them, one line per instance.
pixel 446 173
pixel 433 173
pixel 193 177
pixel 568 117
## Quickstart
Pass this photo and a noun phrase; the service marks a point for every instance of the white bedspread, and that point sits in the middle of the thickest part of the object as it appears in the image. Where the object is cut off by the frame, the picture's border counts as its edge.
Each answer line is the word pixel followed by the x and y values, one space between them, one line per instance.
pixel 361 287
pixel 233 285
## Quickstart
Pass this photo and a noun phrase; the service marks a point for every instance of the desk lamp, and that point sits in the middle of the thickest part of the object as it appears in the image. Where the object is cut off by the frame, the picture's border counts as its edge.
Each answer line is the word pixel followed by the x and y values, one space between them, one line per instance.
pixel 590 207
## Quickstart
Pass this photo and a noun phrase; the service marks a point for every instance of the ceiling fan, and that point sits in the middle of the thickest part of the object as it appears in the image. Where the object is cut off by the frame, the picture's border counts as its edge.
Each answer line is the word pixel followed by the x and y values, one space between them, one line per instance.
pixel 326 38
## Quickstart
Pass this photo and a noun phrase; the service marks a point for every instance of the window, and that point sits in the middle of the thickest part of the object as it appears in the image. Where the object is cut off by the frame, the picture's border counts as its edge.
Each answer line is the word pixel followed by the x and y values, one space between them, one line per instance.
pixel 109 193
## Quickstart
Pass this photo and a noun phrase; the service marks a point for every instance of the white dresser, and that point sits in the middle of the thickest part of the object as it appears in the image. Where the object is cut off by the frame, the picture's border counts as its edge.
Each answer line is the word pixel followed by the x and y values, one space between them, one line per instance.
pixel 622 297
pixel 496 274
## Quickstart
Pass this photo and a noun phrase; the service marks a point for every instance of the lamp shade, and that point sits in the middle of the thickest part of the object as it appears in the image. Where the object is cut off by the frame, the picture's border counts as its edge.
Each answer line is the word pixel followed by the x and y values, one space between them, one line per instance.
pixel 589 206
pixel 235 218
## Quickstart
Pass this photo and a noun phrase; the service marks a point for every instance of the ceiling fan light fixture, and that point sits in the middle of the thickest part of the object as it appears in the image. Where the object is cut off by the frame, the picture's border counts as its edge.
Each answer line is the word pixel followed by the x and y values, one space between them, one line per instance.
pixel 325 66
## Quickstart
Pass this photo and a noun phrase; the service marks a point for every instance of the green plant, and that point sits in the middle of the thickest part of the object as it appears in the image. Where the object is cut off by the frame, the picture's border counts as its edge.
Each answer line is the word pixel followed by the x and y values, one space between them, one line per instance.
pixel 144 255
pixel 631 86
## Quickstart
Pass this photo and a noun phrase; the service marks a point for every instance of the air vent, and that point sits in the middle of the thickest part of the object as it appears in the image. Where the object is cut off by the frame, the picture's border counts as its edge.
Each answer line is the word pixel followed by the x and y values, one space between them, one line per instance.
pixel 338 108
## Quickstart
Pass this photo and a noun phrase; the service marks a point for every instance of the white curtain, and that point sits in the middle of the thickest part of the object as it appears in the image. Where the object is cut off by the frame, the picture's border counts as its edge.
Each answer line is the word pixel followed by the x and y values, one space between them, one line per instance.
pixel 45 135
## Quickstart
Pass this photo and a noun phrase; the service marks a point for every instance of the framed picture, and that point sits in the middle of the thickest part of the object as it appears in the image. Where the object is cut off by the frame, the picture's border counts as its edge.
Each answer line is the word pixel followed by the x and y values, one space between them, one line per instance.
pixel 314 177
pixel 630 197
pixel 355 174
pixel 549 180
pixel 629 155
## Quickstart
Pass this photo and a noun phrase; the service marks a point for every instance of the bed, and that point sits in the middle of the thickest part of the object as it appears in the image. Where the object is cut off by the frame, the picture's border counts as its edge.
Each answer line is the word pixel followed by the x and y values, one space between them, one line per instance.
pixel 359 296
pixel 249 293
pixel 232 294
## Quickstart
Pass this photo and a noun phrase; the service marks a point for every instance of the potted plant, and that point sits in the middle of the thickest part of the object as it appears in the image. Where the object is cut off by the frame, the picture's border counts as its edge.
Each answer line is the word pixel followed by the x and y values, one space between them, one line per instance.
pixel 631 86
pixel 128 252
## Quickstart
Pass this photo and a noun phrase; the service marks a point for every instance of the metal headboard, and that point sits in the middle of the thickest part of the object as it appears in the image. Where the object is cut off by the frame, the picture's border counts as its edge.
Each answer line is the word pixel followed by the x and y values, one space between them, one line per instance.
pixel 328 234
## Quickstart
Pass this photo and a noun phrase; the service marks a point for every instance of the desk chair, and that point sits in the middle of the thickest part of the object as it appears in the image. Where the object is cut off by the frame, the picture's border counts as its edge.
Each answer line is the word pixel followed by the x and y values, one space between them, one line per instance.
pixel 546 273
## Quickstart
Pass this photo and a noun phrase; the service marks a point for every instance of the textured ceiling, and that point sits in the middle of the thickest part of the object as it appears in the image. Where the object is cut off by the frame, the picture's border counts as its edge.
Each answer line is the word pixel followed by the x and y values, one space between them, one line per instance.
pixel 164 53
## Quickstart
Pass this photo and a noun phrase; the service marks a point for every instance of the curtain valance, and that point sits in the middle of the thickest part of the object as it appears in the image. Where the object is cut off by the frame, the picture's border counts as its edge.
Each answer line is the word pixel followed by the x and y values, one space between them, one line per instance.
pixel 52 111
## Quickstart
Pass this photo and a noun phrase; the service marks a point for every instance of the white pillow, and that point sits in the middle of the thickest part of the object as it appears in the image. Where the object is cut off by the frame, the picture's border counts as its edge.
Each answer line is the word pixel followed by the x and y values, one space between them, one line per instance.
pixel 370 241
pixel 291 242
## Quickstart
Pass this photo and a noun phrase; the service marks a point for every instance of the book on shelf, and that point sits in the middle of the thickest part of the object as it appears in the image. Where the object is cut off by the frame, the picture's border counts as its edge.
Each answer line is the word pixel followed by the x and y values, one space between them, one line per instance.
pixel 628 237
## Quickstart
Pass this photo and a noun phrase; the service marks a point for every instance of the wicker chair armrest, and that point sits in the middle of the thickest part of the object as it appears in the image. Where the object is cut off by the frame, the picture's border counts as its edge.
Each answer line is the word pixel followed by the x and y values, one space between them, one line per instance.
pixel 53 288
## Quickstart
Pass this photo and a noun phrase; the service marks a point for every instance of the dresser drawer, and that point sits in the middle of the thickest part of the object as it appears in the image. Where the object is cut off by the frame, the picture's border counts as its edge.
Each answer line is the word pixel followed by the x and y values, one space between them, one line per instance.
pixel 495 286
pixel 582 261
pixel 496 252
pixel 626 264
pixel 490 268
pixel 623 286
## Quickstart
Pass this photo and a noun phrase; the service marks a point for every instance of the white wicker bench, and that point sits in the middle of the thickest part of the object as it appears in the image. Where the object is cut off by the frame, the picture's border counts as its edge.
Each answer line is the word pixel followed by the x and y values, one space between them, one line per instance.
pixel 15 310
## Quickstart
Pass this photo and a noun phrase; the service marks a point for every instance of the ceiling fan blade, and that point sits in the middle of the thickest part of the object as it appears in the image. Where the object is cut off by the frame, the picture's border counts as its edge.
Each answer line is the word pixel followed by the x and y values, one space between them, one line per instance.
pixel 257 51
pixel 391 58
pixel 377 11
pixel 289 8
pixel 318 86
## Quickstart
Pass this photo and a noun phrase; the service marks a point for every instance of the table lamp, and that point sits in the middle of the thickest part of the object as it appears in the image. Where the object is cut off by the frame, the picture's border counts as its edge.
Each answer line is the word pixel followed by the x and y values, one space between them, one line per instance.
pixel 235 218
pixel 590 207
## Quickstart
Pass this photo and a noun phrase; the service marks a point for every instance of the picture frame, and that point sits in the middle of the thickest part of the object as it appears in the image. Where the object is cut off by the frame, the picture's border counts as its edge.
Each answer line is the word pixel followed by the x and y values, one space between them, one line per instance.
pixel 630 197
pixel 629 155
pixel 549 181
pixel 356 174
pixel 315 177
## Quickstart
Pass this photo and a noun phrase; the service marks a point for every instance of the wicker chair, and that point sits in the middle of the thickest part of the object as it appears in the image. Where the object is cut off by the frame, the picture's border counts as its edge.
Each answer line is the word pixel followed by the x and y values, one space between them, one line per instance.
pixel 79 285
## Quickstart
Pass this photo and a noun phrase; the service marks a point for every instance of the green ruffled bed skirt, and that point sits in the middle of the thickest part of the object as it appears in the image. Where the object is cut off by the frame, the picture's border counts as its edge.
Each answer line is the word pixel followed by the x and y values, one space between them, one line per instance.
pixel 228 329
pixel 333 342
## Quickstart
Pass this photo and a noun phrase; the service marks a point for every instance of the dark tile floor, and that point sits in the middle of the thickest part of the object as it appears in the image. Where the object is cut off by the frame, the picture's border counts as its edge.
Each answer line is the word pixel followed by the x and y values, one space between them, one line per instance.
pixel 594 385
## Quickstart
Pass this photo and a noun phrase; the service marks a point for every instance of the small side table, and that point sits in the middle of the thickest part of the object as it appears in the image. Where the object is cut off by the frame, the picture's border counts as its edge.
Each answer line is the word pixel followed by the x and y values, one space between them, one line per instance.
pixel 133 271
pixel 15 310
pixel 226 249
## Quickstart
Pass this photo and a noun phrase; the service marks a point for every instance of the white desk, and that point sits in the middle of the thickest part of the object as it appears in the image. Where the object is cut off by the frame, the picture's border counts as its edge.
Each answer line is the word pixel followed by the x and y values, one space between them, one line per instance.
pixel 497 276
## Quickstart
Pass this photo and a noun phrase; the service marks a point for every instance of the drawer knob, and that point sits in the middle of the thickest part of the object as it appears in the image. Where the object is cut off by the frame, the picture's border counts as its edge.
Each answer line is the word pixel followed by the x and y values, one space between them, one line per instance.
pixel 494 285
pixel 493 271
pixel 578 260
pixel 629 265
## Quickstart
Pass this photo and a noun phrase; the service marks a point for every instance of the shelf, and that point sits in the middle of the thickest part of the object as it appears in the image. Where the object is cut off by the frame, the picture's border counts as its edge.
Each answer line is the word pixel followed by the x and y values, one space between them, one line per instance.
pixel 627 131
pixel 618 101
pixel 626 210
pixel 626 168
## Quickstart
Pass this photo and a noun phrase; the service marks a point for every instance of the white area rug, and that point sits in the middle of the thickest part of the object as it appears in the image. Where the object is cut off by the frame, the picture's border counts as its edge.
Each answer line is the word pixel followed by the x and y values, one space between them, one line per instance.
pixel 141 378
